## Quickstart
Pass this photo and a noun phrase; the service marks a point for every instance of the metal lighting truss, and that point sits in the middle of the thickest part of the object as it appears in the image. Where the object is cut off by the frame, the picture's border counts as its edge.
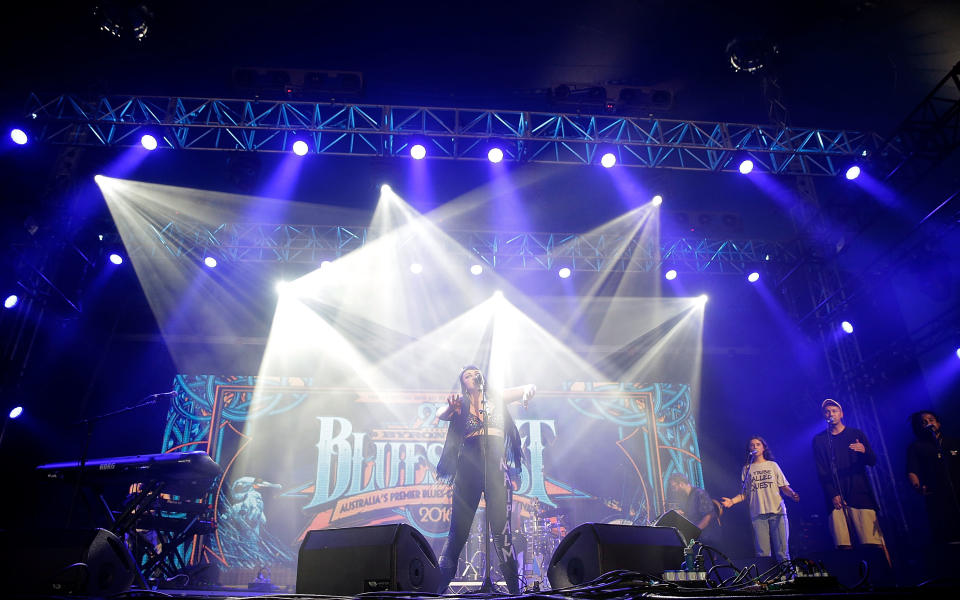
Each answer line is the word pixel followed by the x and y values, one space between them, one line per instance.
pixel 450 133
pixel 312 244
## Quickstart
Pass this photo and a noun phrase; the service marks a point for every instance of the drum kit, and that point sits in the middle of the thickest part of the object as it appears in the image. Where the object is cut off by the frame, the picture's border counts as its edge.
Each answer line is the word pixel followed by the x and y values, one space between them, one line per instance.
pixel 534 542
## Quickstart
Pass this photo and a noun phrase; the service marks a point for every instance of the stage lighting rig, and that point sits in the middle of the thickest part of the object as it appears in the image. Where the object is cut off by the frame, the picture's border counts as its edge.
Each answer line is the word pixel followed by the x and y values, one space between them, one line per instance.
pixel 124 19
pixel 751 54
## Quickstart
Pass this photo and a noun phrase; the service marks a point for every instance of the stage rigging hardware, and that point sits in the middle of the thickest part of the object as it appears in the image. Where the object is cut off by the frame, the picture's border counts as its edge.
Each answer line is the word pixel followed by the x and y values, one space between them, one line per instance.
pixel 167 497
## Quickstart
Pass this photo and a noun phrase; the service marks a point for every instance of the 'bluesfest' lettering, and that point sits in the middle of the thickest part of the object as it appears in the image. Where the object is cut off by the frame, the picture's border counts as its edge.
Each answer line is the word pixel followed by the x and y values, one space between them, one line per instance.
pixel 343 455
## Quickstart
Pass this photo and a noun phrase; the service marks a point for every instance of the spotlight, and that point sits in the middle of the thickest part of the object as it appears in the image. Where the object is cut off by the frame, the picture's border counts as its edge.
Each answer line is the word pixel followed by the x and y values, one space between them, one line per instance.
pixel 18 136
pixel 498 295
pixel 16 412
pixel 210 262
pixel 564 272
pixel 300 147
pixel 11 301
pixel 476 269
pixel 670 275
pixel 495 155
pixel 416 268
pixel 853 172
pixel 385 189
pixel 703 298
pixel 608 160
pixel 656 200
pixel 282 286
pixel 753 277
pixel 847 326
pixel 325 264
pixel 116 258
pixel 958 352
pixel 746 166
pixel 417 151
pixel 148 141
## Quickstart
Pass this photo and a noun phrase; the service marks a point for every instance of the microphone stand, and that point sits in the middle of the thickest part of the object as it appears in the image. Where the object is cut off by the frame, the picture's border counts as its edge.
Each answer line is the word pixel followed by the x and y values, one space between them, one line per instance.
pixel 487 586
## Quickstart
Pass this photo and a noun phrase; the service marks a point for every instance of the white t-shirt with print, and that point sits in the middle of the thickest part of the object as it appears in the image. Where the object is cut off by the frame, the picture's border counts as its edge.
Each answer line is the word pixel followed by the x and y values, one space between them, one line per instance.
pixel 766 478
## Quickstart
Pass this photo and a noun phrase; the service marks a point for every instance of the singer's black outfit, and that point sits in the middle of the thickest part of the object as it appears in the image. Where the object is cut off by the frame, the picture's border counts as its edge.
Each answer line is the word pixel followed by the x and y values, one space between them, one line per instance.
pixel 851 482
pixel 938 468
pixel 462 462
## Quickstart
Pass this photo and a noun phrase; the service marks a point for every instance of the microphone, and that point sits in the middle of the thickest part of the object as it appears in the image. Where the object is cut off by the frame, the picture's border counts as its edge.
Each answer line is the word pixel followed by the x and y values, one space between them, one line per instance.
pixel 928 426
pixel 480 381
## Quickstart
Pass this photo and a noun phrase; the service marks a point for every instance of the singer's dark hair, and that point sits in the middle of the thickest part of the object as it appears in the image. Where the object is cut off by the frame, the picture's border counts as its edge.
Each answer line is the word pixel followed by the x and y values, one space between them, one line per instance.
pixel 916 423
pixel 767 453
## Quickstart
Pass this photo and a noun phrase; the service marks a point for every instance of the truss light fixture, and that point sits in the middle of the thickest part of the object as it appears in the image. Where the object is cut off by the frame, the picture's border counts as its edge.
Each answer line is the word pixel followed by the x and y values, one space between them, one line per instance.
pixel 416 268
pixel 753 277
pixel 608 160
pixel 210 262
pixel 116 258
pixel 476 269
pixel 746 166
pixel 656 200
pixel 300 148
pixel 418 151
pixel 564 272
pixel 148 141
pixel 495 155
pixel 19 136
pixel 15 412
pixel 852 172
pixel 958 352
pixel 670 275
pixel 846 326
pixel 11 301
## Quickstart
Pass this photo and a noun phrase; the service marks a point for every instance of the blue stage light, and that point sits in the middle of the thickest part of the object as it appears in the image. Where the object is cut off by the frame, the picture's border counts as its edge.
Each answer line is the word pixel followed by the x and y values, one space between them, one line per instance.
pixel 16 411
pixel 670 275
pixel 19 136
pixel 746 166
pixel 608 160
pixel 149 142
pixel 116 258
pixel 11 301
pixel 417 151
pixel 846 326
pixel 753 277
pixel 210 262
pixel 853 172
pixel 495 155
pixel 476 269
pixel 564 272
pixel 656 200
pixel 300 147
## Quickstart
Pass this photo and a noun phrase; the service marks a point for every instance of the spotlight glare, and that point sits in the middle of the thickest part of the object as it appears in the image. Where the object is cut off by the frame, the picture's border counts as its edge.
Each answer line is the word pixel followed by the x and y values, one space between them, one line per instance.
pixel 18 136
pixel 116 258
pixel 16 412
pixel 670 275
pixel 656 200
pixel 847 326
pixel 300 147
pixel 11 301
pixel 148 141
pixel 853 172
pixel 416 268
pixel 417 151
pixel 746 166
pixel 753 277
pixel 495 155
pixel 210 262
pixel 498 295
pixel 385 189
pixel 564 272
pixel 476 269
pixel 958 352
pixel 325 264
pixel 608 160
pixel 703 298
pixel 282 286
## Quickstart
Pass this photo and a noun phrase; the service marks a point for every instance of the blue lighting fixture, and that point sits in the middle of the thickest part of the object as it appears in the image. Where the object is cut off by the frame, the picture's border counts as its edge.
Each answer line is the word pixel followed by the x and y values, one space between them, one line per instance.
pixel 853 172
pixel 753 277
pixel 210 261
pixel 958 352
pixel 16 411
pixel 416 268
pixel 11 301
pixel 608 160
pixel 116 258
pixel 746 166
pixel 418 151
pixel 670 275
pixel 300 147
pixel 19 136
pixel 847 327
pixel 148 141
pixel 476 269
pixel 495 155
pixel 564 272
pixel 656 200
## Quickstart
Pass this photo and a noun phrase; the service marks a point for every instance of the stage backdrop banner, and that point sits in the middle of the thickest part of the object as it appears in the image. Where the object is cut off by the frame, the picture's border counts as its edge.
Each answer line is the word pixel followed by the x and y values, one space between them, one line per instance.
pixel 308 457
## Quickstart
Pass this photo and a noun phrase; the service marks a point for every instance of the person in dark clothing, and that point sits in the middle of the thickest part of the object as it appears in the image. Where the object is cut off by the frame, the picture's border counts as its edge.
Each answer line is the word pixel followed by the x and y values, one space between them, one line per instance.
pixel 842 455
pixel 933 469
pixel 695 505
pixel 481 455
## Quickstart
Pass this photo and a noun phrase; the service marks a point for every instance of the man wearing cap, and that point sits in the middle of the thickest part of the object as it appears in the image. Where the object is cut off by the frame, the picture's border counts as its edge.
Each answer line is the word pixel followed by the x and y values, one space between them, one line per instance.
pixel 842 455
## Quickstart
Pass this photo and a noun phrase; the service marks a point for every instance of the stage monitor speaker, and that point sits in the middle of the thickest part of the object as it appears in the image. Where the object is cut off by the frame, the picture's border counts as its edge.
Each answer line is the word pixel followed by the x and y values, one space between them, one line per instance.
pixel 90 562
pixel 353 560
pixel 672 518
pixel 593 549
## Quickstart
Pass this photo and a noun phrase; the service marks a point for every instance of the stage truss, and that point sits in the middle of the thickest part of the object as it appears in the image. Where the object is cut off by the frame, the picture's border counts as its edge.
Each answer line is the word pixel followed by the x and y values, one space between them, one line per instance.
pixel 246 125
pixel 313 244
